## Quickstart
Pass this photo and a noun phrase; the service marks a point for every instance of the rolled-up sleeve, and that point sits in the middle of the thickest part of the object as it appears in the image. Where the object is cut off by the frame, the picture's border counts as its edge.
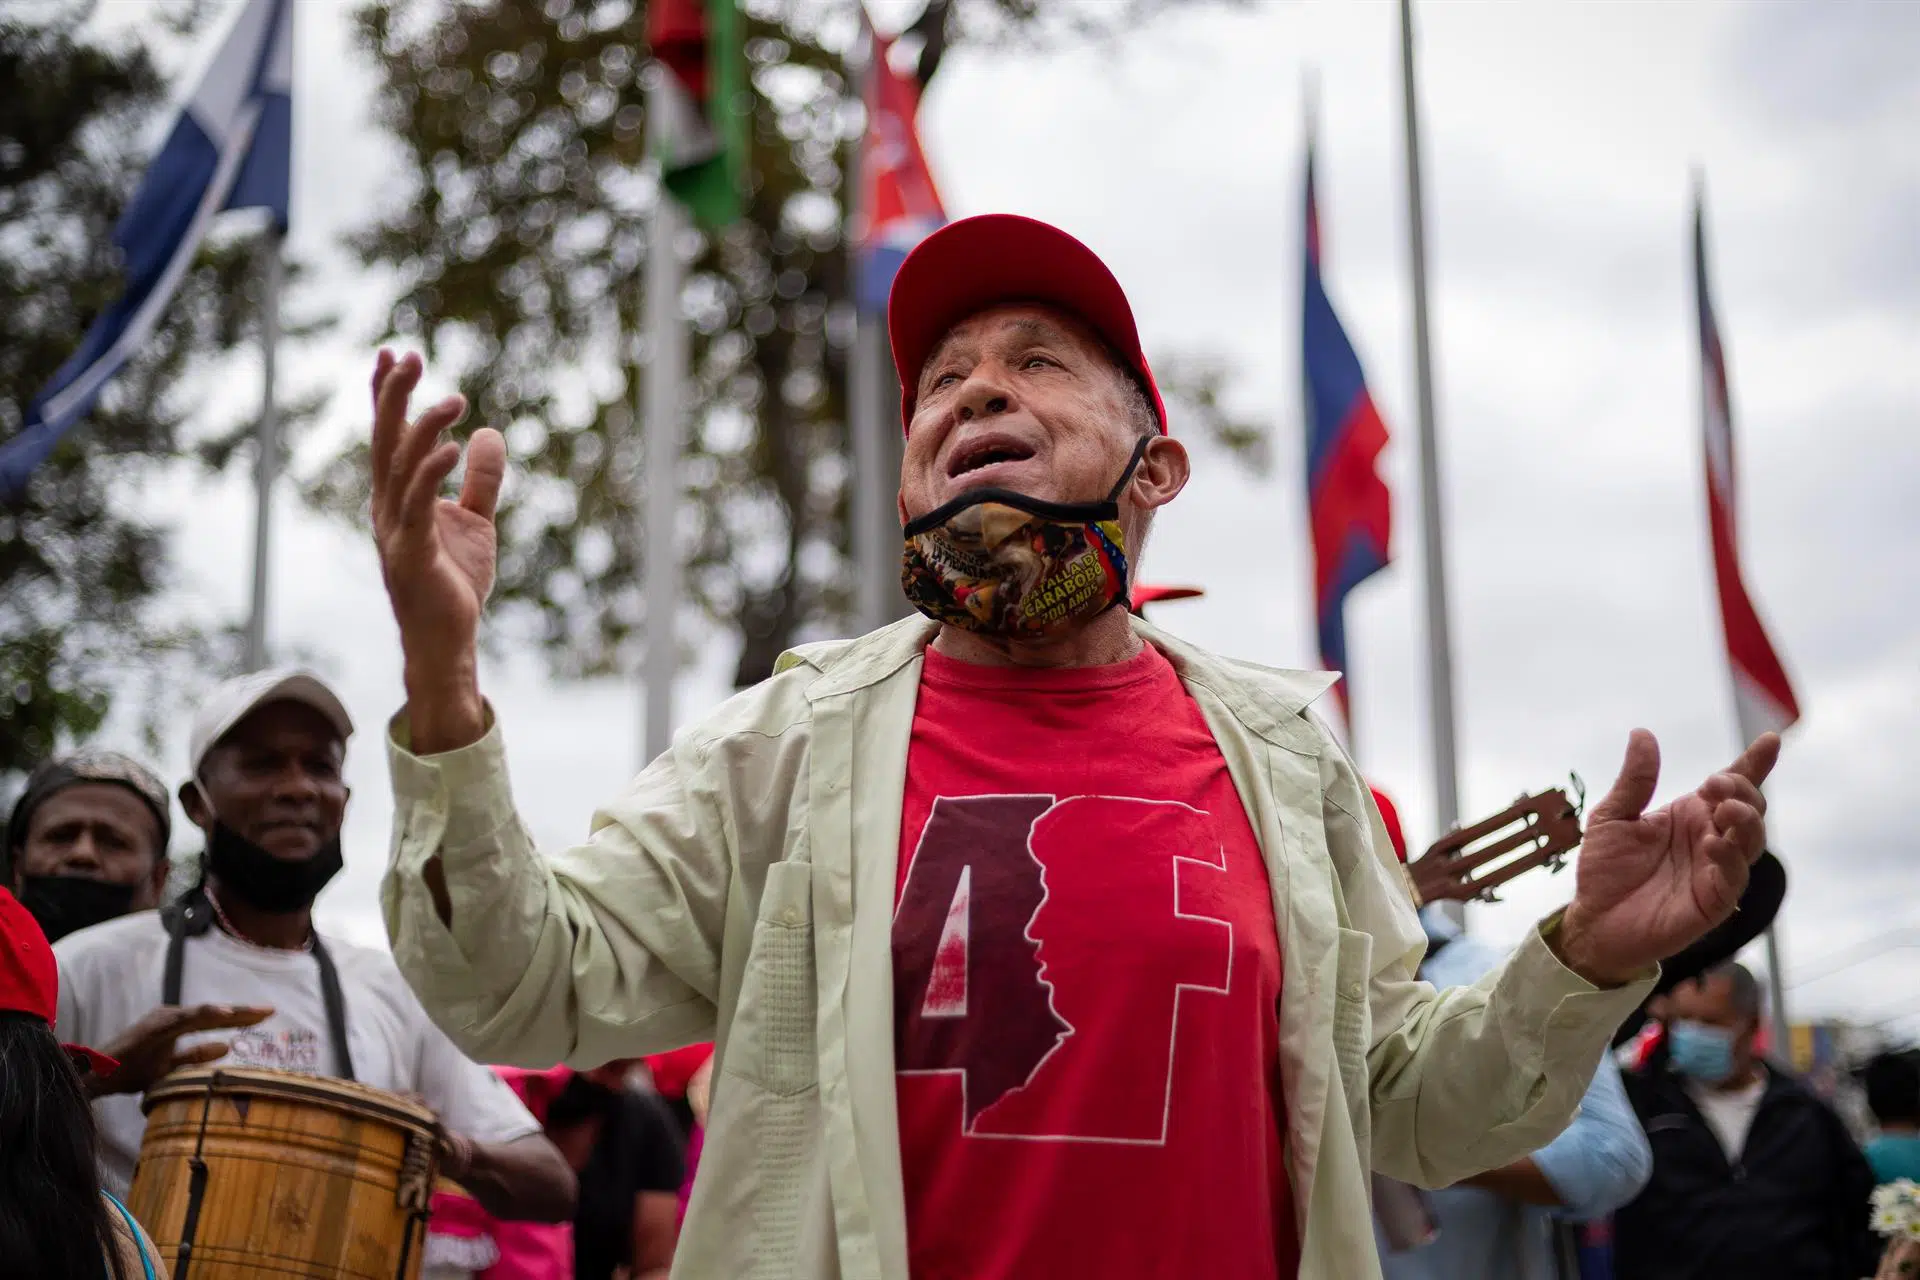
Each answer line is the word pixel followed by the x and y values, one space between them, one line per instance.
pixel 610 949
pixel 1602 1160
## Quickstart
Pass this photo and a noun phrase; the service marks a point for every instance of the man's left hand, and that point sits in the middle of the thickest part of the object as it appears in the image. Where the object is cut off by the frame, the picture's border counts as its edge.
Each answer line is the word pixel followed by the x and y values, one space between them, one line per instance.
pixel 1650 883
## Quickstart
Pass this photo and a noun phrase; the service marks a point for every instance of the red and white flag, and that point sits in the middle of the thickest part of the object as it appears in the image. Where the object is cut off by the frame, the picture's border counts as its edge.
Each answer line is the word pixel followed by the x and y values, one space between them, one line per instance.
pixel 1762 697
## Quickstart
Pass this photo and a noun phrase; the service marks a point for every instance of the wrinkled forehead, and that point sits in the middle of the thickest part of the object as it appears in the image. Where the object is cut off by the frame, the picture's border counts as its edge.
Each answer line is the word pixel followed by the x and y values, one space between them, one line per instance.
pixel 1007 323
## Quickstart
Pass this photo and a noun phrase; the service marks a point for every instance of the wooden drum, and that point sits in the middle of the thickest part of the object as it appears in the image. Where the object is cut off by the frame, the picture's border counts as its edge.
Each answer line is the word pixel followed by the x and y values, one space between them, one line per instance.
pixel 249 1173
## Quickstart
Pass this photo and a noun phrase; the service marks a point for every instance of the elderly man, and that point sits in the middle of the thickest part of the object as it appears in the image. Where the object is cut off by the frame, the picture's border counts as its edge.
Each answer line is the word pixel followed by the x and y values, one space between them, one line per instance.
pixel 237 972
pixel 1033 941
pixel 87 841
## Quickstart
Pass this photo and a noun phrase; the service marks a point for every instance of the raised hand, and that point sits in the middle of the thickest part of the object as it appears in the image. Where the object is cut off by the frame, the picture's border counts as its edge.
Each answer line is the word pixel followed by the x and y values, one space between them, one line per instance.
pixel 436 555
pixel 1649 883
pixel 147 1050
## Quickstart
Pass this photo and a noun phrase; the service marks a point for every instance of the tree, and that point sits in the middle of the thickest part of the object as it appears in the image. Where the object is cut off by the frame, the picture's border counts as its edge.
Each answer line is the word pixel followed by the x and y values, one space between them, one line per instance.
pixel 81 573
pixel 523 252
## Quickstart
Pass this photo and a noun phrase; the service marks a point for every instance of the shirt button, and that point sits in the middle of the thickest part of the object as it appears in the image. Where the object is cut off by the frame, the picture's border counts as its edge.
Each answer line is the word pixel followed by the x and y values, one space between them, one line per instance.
pixel 790 916
pixel 1353 991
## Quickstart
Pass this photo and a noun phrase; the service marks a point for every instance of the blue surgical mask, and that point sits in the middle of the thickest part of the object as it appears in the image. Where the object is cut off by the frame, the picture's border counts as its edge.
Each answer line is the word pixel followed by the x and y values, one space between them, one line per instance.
pixel 1705 1053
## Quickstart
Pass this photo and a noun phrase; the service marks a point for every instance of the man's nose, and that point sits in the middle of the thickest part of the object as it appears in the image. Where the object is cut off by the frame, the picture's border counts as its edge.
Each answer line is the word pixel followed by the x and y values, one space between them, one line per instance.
pixel 82 855
pixel 297 786
pixel 983 396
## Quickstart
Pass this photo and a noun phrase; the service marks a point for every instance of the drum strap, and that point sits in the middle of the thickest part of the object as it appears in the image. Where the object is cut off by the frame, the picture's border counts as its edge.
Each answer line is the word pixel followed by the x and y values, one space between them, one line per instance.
pixel 192 916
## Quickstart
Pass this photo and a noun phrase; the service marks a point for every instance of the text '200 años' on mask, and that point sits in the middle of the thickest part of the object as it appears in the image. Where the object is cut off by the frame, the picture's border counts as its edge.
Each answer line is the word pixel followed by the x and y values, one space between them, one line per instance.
pixel 1002 563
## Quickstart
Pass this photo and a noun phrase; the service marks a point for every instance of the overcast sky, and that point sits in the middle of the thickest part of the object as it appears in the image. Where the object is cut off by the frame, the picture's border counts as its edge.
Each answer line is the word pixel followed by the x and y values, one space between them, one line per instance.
pixel 1559 140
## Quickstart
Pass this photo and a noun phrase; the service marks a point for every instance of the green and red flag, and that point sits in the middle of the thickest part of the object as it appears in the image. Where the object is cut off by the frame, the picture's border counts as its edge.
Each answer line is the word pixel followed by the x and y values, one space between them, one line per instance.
pixel 702 108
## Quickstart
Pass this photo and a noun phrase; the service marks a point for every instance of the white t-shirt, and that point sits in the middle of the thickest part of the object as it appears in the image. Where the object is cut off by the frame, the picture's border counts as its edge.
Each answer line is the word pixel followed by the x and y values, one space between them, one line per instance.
pixel 110 978
pixel 1729 1112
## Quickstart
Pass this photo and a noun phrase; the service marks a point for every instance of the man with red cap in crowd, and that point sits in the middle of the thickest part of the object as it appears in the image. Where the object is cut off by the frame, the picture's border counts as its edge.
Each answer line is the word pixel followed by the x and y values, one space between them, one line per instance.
pixel 1033 941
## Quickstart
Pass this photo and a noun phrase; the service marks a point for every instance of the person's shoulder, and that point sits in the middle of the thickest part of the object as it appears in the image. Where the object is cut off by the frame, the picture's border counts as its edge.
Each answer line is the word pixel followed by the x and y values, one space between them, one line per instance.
pixel 1274 702
pixel 130 940
pixel 359 963
pixel 645 1109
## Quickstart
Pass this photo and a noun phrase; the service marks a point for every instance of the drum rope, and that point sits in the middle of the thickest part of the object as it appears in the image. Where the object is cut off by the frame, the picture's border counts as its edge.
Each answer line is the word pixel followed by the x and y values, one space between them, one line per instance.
pixel 196 1183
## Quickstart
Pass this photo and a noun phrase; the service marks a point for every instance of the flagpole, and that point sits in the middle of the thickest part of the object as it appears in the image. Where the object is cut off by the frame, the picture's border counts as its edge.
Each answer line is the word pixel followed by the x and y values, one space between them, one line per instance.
pixel 1446 786
pixel 1749 724
pixel 869 508
pixel 266 463
pixel 661 426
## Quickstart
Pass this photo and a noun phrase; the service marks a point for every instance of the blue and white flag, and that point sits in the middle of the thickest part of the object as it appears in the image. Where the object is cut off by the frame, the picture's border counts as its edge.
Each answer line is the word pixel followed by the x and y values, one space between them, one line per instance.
pixel 230 149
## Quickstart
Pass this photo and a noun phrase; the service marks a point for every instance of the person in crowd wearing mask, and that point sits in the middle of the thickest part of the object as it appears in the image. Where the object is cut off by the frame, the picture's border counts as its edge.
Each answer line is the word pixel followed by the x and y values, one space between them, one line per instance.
pixel 626 1147
pixel 1892 1084
pixel 87 841
pixel 1753 1176
pixel 55 1221
pixel 240 954
pixel 1034 941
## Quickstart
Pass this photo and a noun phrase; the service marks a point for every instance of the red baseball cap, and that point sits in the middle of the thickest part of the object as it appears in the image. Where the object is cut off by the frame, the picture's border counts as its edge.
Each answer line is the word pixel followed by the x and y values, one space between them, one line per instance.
pixel 975 263
pixel 1390 817
pixel 30 977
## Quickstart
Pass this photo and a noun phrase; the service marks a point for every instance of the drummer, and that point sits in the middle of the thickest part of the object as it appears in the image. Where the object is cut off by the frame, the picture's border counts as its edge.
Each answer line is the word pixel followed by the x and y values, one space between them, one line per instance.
pixel 237 972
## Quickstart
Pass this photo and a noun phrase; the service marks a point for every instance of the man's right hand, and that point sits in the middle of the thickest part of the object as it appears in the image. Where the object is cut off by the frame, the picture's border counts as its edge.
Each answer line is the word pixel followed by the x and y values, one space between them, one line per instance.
pixel 436 554
pixel 147 1051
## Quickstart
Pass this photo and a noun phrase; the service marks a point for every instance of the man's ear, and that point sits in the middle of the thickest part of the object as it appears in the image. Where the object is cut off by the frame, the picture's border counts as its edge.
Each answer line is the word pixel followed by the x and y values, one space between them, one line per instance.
pixel 1163 472
pixel 161 866
pixel 196 806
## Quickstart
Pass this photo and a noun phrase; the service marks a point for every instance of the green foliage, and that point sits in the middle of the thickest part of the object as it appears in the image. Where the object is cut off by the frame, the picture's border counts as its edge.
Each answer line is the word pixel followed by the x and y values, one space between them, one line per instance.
pixel 81 574
pixel 522 250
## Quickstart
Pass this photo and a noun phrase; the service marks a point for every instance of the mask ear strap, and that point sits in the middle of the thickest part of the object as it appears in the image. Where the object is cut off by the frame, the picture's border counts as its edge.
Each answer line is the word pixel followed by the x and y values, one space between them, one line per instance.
pixel 1133 465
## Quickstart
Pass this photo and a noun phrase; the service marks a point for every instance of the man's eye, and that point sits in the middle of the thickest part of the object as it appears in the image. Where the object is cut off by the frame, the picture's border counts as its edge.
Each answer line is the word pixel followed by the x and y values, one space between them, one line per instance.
pixel 1041 362
pixel 945 379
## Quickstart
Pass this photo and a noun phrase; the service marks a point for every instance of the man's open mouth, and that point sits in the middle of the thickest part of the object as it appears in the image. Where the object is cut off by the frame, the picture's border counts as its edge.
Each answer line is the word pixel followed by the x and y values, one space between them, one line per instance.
pixel 984 452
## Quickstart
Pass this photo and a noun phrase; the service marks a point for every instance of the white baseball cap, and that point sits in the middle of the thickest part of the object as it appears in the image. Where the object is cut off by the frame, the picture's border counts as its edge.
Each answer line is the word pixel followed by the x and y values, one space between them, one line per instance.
pixel 232 702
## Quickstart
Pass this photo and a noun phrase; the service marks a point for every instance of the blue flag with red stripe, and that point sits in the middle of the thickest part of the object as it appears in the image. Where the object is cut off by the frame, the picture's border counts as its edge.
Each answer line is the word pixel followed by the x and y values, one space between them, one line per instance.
pixel 1351 511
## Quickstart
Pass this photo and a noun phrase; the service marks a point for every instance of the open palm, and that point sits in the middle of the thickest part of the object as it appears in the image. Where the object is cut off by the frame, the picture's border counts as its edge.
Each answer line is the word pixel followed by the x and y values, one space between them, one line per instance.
pixel 1651 882
pixel 437 555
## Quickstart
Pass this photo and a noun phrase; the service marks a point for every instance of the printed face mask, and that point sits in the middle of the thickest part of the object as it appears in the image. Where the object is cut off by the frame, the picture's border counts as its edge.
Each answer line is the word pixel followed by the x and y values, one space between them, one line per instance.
pixel 1700 1051
pixel 1002 563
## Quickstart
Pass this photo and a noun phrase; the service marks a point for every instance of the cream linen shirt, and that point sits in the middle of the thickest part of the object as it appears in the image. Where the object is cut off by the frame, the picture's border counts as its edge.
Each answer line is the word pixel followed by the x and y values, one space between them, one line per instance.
pixel 742 890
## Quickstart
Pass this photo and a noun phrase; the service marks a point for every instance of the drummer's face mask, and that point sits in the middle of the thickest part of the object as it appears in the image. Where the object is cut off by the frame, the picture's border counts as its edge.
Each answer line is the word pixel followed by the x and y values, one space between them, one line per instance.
pixel 1004 564
pixel 259 879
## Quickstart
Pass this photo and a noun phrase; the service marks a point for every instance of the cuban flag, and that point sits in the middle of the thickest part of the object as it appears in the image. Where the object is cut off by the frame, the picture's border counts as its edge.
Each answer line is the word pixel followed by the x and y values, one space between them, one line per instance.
pixel 230 149
pixel 1349 507
pixel 899 205
pixel 1763 699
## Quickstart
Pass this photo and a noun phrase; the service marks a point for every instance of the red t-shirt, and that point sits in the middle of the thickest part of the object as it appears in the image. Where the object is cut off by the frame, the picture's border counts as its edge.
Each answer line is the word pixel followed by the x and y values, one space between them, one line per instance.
pixel 1086 986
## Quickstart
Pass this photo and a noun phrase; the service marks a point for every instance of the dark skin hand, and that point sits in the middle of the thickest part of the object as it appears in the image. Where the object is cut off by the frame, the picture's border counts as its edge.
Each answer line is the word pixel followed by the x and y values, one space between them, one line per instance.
pixel 148 1049
pixel 526 1180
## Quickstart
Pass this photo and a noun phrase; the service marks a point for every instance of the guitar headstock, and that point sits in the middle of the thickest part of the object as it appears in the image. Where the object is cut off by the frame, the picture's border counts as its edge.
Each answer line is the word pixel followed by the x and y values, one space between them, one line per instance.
pixel 1469 863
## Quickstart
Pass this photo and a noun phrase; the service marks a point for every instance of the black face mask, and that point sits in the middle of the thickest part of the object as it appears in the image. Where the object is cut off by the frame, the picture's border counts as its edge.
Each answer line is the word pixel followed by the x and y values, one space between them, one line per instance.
pixel 264 882
pixel 580 1099
pixel 68 904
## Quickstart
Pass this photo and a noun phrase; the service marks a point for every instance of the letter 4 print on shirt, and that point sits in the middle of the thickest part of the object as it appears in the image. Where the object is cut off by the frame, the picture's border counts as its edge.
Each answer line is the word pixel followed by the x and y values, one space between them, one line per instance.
pixel 1036 937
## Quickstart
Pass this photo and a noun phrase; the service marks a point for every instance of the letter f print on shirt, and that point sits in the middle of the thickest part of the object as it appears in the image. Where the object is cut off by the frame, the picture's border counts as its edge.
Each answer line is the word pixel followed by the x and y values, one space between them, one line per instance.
pixel 1043 949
